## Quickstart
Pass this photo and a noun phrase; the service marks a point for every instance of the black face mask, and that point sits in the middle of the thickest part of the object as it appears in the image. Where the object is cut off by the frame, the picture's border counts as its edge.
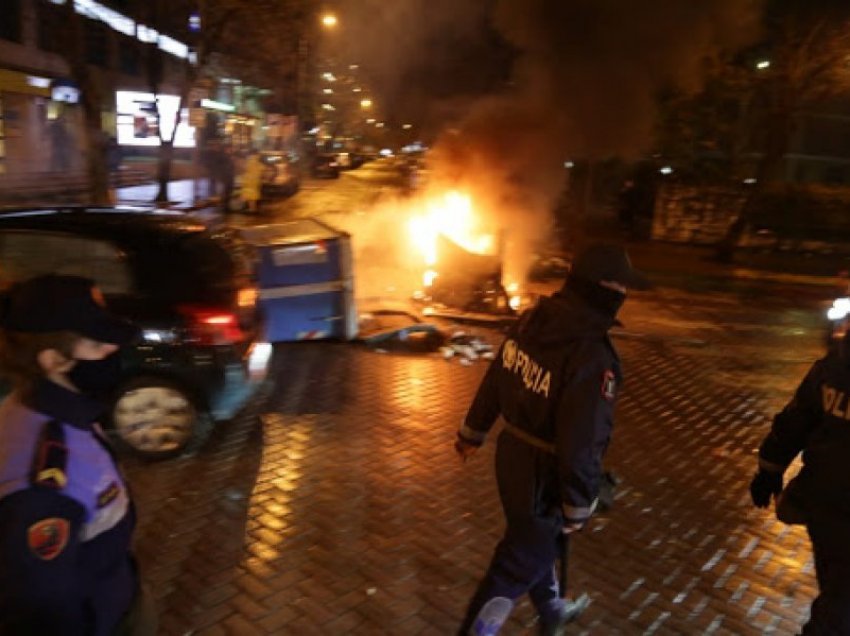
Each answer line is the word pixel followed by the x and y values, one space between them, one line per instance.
pixel 97 378
pixel 603 299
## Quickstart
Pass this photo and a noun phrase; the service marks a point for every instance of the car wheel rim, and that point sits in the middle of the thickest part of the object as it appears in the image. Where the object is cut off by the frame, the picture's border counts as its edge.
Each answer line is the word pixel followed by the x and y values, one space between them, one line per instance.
pixel 154 419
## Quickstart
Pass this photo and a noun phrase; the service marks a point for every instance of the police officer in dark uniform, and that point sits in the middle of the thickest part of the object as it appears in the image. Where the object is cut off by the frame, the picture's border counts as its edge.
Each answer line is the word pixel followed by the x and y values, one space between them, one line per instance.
pixel 66 518
pixel 817 423
pixel 554 382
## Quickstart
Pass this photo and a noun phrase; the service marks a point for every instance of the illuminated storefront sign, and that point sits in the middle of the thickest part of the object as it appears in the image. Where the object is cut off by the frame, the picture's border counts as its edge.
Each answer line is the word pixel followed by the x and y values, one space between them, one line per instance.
pixel 136 120
pixel 127 26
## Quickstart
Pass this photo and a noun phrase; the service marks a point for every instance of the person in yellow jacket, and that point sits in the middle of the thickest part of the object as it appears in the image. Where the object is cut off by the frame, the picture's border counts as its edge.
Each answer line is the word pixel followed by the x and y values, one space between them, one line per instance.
pixel 252 179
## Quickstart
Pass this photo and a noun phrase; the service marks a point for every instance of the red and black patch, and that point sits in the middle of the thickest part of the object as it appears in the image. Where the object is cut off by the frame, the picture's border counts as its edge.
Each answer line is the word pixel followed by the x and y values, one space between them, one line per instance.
pixel 48 537
pixel 609 385
pixel 109 495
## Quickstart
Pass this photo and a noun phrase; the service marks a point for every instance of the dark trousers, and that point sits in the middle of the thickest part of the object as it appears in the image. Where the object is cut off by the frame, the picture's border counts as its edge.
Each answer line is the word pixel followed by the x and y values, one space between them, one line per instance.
pixel 830 536
pixel 524 560
pixel 141 619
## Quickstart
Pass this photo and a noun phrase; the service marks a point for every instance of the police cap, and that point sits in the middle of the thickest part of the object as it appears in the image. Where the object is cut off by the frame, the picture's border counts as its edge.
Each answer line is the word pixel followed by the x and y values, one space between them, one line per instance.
pixel 62 303
pixel 611 263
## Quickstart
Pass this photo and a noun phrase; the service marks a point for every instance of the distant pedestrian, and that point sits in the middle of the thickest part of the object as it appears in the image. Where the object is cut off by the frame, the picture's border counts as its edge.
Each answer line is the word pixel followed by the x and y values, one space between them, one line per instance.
pixel 66 518
pixel 252 181
pixel 227 176
pixel 554 382
pixel 815 423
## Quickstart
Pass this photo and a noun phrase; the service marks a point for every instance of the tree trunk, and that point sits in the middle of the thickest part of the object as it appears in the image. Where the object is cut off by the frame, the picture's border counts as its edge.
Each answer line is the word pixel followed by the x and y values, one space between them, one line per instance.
pixel 163 170
pixel 96 169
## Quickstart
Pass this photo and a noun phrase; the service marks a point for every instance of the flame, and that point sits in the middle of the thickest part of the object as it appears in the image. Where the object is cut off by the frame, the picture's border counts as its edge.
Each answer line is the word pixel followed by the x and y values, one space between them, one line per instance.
pixel 453 216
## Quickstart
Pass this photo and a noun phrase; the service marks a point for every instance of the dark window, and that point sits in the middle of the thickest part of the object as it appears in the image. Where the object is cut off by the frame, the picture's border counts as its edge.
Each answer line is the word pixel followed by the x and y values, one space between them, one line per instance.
pixel 52 34
pixel 10 23
pixel 97 43
pixel 129 61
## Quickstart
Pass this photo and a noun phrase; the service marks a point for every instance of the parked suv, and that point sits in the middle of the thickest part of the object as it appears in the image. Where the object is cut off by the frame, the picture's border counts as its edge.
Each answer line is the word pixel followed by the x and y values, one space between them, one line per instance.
pixel 192 291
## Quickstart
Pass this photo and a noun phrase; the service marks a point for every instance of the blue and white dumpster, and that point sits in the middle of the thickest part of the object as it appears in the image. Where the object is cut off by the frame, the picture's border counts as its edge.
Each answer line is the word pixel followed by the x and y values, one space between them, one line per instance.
pixel 306 280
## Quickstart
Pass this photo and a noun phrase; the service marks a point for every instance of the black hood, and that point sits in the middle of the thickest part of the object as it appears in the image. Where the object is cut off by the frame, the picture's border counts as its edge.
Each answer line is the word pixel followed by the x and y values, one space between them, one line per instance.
pixel 563 317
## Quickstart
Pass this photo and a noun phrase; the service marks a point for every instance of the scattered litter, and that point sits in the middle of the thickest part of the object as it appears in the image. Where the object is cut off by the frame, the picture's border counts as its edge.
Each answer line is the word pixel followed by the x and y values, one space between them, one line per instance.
pixel 467 348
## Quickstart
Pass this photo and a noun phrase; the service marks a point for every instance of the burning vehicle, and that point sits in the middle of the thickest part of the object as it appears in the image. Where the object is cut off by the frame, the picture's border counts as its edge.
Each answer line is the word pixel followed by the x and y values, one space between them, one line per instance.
pixel 462 260
pixel 467 281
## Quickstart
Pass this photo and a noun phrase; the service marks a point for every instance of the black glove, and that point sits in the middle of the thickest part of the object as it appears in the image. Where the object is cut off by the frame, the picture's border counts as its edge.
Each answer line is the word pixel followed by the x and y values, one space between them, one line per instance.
pixel 464 448
pixel 764 486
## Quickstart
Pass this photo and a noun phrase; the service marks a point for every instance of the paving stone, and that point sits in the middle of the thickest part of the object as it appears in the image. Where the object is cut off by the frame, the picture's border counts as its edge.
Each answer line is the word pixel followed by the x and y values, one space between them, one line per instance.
pixel 336 504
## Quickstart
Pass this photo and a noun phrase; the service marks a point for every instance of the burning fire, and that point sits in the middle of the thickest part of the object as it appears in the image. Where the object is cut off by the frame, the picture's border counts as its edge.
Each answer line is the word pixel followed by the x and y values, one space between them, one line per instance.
pixel 453 216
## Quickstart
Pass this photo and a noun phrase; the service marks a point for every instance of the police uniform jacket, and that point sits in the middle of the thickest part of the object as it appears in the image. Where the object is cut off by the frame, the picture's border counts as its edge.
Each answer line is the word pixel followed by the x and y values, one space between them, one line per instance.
pixel 66 519
pixel 817 423
pixel 554 382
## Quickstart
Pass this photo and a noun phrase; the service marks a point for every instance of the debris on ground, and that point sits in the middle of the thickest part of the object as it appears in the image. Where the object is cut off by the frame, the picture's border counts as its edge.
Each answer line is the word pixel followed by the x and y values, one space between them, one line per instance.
pixel 390 330
pixel 467 348
pixel 496 321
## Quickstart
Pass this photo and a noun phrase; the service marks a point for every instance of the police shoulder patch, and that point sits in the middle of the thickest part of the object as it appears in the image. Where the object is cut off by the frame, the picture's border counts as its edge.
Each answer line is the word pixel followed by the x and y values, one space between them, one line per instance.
pixel 109 495
pixel 609 385
pixel 47 538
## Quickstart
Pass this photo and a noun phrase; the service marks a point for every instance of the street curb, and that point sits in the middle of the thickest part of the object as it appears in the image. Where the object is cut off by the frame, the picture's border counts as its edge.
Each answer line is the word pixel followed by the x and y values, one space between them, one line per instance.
pixel 787 279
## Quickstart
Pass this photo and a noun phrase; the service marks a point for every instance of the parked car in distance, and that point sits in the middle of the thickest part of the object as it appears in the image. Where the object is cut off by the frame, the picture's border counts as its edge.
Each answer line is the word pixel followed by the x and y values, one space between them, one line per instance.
pixel 325 167
pixel 280 176
pixel 190 289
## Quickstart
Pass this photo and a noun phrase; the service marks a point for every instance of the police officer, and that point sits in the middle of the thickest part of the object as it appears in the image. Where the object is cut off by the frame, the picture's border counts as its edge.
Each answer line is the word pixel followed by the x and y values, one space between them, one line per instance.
pixel 66 518
pixel 554 382
pixel 816 422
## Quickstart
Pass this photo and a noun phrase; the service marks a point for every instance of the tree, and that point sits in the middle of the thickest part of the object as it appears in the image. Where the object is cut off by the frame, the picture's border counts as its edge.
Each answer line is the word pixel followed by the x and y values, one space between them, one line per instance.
pixel 73 48
pixel 706 135
pixel 806 59
pixel 251 39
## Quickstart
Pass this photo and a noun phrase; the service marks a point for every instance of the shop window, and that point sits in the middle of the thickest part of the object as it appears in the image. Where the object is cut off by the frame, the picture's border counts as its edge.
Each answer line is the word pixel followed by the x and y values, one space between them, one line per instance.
pixel 52 33
pixel 97 43
pixel 25 254
pixel 10 25
pixel 129 58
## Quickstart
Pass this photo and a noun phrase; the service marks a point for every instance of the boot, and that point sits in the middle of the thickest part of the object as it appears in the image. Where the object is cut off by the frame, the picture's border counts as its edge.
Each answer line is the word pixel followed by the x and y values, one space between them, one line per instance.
pixel 571 611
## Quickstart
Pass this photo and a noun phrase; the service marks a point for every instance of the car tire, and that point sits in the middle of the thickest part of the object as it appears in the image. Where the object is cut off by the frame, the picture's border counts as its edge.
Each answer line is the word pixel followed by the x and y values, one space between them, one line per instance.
pixel 158 418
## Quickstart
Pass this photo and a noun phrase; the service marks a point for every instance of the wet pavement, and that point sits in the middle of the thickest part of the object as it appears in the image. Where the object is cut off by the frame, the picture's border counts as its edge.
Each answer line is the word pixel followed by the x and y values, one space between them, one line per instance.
pixel 335 504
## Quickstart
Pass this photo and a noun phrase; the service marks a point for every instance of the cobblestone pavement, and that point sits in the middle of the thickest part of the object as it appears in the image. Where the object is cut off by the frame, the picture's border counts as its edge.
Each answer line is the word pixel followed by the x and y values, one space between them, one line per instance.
pixel 336 506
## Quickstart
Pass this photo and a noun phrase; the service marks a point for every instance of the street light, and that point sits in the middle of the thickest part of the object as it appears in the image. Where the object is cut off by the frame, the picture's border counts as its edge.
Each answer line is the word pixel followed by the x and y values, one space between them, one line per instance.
pixel 763 65
pixel 329 20
pixel 366 103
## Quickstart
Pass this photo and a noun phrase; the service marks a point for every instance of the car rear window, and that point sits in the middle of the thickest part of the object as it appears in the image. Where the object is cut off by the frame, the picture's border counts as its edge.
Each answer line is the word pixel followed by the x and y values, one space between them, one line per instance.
pixel 203 268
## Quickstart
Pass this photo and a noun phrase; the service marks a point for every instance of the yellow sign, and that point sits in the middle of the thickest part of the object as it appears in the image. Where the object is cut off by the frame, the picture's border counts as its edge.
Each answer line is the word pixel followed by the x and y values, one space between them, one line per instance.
pixel 14 82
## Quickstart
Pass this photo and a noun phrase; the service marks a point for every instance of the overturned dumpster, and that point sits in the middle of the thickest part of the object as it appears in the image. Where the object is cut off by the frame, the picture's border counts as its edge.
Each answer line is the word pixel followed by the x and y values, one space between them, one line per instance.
pixel 306 280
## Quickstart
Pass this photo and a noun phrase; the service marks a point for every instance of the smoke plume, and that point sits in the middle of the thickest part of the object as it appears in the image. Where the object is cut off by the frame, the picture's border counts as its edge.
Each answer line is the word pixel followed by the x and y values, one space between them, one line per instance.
pixel 584 84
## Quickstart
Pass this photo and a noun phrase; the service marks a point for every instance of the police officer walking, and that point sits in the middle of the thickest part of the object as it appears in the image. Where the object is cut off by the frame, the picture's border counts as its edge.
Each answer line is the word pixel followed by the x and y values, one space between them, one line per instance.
pixel 554 382
pixel 66 518
pixel 816 422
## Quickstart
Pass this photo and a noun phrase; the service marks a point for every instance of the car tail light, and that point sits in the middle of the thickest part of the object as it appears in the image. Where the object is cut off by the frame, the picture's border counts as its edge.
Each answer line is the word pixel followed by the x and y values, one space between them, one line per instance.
pixel 212 327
